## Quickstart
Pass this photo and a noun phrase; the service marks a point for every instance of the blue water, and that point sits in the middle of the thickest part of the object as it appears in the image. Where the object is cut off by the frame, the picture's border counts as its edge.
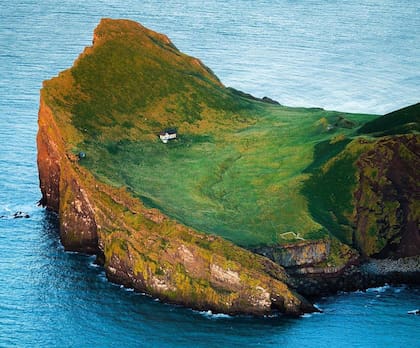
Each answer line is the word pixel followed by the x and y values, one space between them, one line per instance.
pixel 346 55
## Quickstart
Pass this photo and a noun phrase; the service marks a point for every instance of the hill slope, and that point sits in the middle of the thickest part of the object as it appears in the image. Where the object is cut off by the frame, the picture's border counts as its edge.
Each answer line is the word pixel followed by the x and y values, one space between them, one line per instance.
pixel 237 166
pixel 405 120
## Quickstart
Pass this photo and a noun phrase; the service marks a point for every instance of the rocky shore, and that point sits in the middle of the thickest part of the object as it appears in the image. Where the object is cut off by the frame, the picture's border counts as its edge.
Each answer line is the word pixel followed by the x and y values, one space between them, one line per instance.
pixel 358 276
pixel 313 273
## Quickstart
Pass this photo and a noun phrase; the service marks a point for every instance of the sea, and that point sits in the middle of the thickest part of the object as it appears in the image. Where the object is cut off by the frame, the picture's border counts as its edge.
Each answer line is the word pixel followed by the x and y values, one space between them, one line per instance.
pixel 358 56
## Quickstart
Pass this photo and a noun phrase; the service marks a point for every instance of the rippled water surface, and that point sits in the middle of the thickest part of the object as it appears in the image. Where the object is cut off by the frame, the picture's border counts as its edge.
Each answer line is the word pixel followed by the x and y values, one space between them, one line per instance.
pixel 361 56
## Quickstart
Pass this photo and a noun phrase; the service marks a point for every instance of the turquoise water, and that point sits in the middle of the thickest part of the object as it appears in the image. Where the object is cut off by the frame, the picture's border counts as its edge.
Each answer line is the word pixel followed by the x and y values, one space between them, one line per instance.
pixel 335 54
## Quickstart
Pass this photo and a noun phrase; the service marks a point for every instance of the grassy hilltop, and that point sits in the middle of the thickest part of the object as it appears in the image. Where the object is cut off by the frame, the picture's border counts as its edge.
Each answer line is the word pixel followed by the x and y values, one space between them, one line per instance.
pixel 252 172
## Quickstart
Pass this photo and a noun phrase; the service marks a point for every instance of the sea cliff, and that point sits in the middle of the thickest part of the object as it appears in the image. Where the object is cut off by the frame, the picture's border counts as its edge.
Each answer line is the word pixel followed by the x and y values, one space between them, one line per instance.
pixel 252 205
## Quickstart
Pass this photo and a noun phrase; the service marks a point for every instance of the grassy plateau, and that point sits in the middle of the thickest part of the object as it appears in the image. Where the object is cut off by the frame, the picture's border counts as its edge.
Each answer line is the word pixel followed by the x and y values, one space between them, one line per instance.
pixel 253 172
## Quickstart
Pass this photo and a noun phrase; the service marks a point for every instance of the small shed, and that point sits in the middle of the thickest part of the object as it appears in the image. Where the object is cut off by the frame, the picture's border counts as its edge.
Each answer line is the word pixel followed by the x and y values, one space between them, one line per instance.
pixel 168 134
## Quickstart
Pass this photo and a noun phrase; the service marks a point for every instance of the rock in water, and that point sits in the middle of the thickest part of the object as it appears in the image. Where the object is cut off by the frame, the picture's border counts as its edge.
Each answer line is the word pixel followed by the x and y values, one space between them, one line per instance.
pixel 414 312
pixel 20 215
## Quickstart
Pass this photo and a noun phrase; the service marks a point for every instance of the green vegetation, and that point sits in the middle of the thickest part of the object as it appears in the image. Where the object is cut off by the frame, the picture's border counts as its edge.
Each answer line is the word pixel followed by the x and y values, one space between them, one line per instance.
pixel 252 172
pixel 330 188
pixel 405 120
pixel 241 184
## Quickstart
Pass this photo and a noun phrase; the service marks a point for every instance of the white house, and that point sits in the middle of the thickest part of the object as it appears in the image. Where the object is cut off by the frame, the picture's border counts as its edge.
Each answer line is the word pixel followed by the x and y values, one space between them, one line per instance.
pixel 167 134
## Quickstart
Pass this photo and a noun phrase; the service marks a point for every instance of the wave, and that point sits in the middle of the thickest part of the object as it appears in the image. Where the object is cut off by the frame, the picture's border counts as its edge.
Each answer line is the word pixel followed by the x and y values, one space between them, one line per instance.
pixel 126 289
pixel 319 308
pixel 399 289
pixel 210 315
pixel 379 288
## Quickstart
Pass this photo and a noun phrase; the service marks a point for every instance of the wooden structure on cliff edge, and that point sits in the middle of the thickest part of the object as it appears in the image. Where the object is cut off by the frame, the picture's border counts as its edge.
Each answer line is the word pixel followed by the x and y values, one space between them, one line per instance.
pixel 168 134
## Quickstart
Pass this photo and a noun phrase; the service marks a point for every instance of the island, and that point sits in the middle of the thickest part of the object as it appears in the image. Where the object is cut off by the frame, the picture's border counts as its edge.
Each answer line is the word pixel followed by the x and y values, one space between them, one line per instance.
pixel 205 196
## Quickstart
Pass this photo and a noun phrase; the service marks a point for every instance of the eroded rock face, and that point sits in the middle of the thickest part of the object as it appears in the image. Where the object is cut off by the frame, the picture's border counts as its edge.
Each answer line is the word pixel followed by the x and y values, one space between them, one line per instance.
pixel 183 273
pixel 387 213
pixel 48 160
pixel 61 191
pixel 297 254
pixel 77 220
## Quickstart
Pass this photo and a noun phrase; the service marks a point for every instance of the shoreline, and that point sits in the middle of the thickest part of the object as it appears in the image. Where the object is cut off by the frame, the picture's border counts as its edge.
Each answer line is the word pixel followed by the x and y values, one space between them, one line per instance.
pixel 359 277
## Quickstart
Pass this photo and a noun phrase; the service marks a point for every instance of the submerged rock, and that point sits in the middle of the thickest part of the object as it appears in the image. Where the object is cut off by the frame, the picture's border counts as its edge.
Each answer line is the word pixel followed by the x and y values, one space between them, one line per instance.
pixel 20 215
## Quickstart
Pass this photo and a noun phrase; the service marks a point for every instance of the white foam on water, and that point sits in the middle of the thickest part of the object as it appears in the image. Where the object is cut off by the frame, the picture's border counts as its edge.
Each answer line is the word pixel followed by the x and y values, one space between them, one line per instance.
pixel 270 316
pixel 70 252
pixel 379 288
pixel 399 289
pixel 319 308
pixel 92 264
pixel 102 276
pixel 210 315
pixel 122 287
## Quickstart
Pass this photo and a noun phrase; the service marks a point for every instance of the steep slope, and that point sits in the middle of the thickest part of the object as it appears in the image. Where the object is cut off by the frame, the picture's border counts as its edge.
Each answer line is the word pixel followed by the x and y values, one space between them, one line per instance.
pixel 405 120
pixel 387 211
pixel 375 205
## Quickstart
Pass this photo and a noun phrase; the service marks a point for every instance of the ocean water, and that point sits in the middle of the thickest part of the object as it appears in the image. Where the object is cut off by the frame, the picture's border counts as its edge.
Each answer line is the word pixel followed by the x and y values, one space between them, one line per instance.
pixel 361 56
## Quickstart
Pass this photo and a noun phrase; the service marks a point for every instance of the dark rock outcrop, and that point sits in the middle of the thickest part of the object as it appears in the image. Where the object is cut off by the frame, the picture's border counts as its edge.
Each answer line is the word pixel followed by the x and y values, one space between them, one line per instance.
pixel 297 254
pixel 387 214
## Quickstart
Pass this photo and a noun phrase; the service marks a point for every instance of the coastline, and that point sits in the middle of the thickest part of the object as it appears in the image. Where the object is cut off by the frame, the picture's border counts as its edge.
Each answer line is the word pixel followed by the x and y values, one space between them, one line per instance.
pixel 358 276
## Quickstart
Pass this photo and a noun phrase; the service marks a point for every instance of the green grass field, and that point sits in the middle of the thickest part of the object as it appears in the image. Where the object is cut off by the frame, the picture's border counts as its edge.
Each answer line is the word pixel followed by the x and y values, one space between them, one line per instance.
pixel 243 184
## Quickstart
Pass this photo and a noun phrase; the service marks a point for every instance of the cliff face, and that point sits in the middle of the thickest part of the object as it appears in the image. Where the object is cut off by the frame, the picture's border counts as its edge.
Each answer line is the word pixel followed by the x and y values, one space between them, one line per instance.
pixel 387 213
pixel 143 249
pixel 61 191
pixel 298 254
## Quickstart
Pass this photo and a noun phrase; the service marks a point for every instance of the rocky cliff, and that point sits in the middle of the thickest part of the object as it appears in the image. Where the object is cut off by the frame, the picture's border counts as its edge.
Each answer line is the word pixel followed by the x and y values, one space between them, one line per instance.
pixel 387 211
pixel 101 167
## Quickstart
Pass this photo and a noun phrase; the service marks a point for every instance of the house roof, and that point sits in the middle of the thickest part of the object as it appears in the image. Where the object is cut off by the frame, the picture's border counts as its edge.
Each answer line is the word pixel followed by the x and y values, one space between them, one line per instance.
pixel 168 131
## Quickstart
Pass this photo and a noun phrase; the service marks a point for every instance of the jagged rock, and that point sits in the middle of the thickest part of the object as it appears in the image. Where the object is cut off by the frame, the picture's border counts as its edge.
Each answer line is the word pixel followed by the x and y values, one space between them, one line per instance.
pixel 414 312
pixel 20 215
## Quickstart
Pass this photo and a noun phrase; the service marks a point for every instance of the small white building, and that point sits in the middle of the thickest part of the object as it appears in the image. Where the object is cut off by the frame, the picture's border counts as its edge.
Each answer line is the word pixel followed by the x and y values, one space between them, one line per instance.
pixel 167 134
